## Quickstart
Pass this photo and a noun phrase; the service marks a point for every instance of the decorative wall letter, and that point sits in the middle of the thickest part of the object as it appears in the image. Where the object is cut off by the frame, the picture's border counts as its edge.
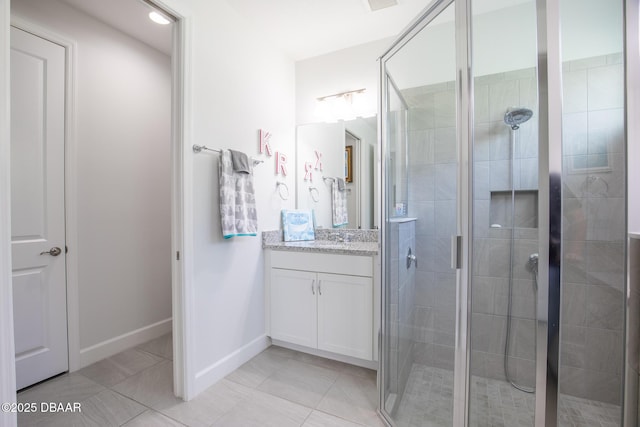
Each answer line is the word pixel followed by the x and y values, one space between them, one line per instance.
pixel 308 171
pixel 265 142
pixel 318 166
pixel 281 163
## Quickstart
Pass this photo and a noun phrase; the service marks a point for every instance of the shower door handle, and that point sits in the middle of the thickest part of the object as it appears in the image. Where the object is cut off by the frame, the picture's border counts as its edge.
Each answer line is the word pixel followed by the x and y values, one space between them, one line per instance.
pixel 456 252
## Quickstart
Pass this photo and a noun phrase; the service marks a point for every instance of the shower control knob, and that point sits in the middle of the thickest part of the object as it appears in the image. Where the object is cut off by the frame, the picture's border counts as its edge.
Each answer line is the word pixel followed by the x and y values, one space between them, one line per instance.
pixel 411 258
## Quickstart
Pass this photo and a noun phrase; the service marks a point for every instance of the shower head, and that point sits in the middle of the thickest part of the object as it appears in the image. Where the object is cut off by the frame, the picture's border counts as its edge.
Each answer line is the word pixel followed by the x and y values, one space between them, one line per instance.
pixel 516 116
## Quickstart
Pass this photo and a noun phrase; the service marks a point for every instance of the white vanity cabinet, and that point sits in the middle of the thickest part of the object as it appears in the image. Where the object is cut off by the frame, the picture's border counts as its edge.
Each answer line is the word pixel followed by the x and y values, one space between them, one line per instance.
pixel 294 307
pixel 322 301
pixel 345 313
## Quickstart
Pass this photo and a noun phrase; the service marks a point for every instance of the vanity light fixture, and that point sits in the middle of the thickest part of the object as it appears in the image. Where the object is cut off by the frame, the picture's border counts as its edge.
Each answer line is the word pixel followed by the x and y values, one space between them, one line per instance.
pixel 347 95
pixel 338 106
pixel 159 18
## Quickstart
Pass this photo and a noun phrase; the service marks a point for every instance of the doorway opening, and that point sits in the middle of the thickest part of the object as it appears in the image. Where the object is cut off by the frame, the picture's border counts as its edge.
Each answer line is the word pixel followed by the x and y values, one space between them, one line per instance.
pixel 116 199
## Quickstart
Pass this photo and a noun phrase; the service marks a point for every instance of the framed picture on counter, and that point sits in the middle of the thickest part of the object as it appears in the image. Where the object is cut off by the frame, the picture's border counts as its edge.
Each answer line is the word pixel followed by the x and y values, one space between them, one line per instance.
pixel 297 225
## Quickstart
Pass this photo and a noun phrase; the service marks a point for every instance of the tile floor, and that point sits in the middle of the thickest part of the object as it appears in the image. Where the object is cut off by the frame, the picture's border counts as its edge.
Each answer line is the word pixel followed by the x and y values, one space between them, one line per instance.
pixel 279 388
pixel 428 402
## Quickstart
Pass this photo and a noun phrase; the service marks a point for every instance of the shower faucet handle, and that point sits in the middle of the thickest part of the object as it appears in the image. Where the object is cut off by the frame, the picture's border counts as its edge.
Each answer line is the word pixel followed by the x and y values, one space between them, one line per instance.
pixel 411 258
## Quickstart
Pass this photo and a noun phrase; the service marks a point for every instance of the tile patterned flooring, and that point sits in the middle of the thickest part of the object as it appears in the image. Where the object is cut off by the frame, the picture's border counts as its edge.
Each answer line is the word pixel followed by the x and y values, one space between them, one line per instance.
pixel 428 402
pixel 279 388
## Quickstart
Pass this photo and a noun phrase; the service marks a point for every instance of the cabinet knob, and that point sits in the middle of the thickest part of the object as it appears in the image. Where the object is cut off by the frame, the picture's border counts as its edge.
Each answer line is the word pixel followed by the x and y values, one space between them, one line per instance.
pixel 320 287
pixel 313 282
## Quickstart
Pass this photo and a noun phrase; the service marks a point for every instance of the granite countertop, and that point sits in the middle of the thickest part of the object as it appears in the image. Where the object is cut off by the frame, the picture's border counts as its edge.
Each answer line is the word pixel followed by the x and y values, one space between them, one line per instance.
pixel 358 244
pixel 327 247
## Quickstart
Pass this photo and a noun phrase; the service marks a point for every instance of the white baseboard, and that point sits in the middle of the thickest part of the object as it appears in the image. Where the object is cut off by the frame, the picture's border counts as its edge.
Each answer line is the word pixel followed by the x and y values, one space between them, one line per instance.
pixel 123 342
pixel 214 373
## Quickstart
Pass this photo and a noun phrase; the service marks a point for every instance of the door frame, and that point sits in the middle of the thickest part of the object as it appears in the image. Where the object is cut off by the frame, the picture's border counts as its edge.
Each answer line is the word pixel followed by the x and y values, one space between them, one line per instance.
pixel 181 203
pixel 356 172
pixel 7 352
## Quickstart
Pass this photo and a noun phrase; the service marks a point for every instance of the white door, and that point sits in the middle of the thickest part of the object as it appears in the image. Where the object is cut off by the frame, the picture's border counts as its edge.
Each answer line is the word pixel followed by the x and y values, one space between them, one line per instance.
pixel 293 306
pixel 37 207
pixel 345 315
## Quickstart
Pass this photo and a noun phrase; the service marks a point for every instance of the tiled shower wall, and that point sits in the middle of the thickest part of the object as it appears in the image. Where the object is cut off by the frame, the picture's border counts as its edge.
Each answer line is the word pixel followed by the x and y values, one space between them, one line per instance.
pixel 591 349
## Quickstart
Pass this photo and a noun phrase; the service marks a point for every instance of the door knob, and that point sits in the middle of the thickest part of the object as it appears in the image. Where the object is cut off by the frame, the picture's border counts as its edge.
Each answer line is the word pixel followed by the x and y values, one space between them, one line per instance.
pixel 55 251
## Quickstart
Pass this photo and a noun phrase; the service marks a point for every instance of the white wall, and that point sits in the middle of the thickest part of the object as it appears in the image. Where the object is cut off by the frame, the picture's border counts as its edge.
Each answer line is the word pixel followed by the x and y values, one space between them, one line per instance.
pixel 343 70
pixel 591 28
pixel 122 176
pixel 239 85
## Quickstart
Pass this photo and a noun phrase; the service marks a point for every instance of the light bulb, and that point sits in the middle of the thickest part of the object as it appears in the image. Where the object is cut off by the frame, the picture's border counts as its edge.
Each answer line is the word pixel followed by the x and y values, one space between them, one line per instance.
pixel 158 19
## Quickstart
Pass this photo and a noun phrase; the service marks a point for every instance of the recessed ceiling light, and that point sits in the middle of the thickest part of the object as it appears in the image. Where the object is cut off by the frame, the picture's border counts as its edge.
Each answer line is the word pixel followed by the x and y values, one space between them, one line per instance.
pixel 158 19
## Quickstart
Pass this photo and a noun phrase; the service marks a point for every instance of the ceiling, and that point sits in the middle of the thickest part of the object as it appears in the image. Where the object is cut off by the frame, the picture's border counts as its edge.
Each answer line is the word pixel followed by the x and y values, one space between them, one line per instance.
pixel 300 28
pixel 307 28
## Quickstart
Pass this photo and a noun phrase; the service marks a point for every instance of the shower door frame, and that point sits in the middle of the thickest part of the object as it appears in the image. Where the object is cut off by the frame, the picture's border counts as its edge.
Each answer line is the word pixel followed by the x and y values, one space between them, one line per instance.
pixel 549 73
pixel 464 127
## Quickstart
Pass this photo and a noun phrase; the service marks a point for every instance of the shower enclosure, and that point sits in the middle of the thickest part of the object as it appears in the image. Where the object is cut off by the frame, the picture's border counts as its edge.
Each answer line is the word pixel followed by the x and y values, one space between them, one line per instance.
pixel 505 215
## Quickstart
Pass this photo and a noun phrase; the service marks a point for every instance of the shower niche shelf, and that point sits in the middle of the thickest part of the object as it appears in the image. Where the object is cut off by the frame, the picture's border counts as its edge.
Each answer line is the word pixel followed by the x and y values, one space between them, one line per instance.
pixel 526 209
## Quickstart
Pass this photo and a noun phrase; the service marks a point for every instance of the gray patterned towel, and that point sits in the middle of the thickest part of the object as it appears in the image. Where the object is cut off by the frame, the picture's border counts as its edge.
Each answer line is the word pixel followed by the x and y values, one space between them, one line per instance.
pixel 238 215
pixel 338 205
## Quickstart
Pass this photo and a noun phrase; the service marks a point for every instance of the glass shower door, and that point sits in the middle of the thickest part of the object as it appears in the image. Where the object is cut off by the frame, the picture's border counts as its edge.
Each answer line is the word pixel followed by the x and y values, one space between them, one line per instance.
pixel 421 174
pixel 593 297
pixel 530 330
pixel 504 279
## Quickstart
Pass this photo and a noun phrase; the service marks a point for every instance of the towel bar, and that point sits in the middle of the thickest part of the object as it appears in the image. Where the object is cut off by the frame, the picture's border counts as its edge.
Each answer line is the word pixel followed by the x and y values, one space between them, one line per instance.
pixel 199 148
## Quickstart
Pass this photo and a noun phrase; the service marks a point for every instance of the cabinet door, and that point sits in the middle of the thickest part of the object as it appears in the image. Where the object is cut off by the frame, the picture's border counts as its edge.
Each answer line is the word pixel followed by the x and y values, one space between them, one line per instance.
pixel 293 307
pixel 345 315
